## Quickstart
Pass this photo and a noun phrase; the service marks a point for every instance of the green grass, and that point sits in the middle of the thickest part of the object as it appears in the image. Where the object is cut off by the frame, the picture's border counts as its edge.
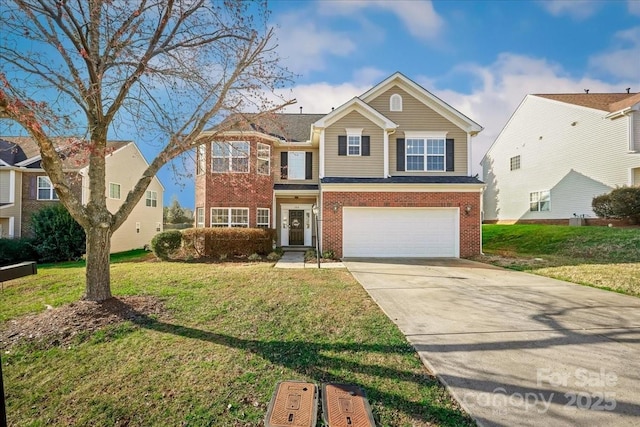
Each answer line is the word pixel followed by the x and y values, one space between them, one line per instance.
pixel 232 332
pixel 603 257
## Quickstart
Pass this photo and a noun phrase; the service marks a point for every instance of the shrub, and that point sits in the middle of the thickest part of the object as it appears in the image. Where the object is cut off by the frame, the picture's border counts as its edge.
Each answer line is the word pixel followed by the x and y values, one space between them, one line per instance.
pixel 213 242
pixel 165 243
pixel 328 254
pixel 310 254
pixel 273 256
pixel 622 202
pixel 57 236
pixel 13 251
pixel 254 257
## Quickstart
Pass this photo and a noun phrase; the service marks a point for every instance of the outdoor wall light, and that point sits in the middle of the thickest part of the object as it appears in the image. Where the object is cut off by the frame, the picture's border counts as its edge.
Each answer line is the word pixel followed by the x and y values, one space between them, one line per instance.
pixel 467 209
pixel 336 205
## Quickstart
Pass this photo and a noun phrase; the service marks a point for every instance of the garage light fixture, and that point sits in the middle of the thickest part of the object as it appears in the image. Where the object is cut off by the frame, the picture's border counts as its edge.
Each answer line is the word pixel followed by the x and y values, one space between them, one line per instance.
pixel 467 209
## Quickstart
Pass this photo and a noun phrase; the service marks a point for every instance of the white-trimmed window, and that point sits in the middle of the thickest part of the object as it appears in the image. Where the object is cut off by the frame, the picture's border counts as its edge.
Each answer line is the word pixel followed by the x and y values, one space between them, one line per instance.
pixel 297 165
pixel 540 201
pixel 425 154
pixel 264 159
pixel 395 102
pixel 514 163
pixel 199 217
pixel 45 189
pixel 354 142
pixel 263 218
pixel 230 156
pixel 151 198
pixel 230 217
pixel 201 159
pixel 114 190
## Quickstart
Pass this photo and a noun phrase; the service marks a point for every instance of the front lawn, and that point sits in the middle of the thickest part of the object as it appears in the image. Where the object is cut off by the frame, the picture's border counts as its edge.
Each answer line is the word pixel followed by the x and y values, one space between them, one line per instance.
pixel 603 257
pixel 226 334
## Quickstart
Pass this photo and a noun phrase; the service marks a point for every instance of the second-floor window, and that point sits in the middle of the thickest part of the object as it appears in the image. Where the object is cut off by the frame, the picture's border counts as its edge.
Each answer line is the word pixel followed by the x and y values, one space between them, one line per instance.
pixel 45 189
pixel 151 199
pixel 201 159
pixel 264 159
pixel 114 190
pixel 353 145
pixel 230 156
pixel 425 154
pixel 514 163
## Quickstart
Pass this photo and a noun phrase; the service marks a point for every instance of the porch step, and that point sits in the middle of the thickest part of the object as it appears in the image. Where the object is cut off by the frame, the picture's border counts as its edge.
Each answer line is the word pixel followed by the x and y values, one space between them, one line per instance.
pixel 296 248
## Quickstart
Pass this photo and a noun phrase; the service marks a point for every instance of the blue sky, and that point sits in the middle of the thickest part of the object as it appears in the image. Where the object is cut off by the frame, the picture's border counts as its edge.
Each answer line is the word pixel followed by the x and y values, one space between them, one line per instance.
pixel 481 57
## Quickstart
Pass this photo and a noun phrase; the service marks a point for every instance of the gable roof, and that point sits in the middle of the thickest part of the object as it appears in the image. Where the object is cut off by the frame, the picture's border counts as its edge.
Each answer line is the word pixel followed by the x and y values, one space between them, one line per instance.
pixel 290 127
pixel 425 97
pixel 610 102
pixel 24 151
pixel 355 104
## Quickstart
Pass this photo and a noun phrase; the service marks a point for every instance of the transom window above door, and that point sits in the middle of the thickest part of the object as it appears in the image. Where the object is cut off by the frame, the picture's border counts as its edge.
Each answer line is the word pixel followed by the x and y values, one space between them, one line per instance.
pixel 230 156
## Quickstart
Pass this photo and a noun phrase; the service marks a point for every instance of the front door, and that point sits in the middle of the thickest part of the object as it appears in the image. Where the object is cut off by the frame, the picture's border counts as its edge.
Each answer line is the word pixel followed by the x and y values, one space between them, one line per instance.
pixel 296 227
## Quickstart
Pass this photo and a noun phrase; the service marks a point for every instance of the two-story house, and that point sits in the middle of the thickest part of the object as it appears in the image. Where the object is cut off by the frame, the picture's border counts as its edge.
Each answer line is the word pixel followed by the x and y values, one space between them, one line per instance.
pixel 26 188
pixel 389 171
pixel 557 152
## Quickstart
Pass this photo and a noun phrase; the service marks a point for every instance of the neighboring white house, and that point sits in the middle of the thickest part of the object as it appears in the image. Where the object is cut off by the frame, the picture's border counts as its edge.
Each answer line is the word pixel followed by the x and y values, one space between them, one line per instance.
pixel 25 188
pixel 558 151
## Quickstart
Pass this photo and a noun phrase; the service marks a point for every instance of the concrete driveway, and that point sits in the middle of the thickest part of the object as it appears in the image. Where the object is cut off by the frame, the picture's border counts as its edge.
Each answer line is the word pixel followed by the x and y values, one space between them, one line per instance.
pixel 515 349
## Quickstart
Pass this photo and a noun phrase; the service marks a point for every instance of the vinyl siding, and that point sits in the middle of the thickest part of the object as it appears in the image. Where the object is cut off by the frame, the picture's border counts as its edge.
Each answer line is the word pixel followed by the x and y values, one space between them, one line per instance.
pixel 636 130
pixel 416 116
pixel 371 166
pixel 575 162
pixel 275 166
pixel 5 186
pixel 125 167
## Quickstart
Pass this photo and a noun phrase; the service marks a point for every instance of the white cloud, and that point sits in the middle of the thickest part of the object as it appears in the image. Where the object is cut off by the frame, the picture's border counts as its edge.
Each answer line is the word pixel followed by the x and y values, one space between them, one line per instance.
pixel 418 16
pixel 623 60
pixel 634 7
pixel 576 9
pixel 304 46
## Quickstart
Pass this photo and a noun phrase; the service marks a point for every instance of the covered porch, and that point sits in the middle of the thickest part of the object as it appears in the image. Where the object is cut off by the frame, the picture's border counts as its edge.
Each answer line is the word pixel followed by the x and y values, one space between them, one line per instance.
pixel 293 216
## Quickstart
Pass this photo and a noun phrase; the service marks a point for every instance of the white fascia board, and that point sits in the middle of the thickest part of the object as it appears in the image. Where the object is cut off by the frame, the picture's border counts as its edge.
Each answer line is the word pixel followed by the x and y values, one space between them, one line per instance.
pixel 233 134
pixel 425 97
pixel 403 188
pixel 355 104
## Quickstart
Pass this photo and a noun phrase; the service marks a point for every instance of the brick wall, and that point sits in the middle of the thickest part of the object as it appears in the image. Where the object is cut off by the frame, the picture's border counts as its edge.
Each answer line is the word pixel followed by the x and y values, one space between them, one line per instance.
pixel 240 190
pixel 30 202
pixel 469 224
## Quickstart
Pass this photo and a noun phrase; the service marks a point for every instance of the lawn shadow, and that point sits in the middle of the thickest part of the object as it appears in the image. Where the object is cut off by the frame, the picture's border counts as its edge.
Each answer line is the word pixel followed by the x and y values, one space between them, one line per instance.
pixel 309 360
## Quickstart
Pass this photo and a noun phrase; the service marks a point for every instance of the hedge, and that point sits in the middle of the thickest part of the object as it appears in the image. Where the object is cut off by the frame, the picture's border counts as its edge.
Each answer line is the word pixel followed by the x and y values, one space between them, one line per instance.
pixel 214 242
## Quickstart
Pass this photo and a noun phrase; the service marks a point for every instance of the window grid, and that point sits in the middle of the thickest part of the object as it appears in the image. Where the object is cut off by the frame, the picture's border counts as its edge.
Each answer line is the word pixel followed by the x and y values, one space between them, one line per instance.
pixel 540 201
pixel 151 199
pixel 353 145
pixel 230 156
pixel 514 163
pixel 45 189
pixel 114 190
pixel 230 217
pixel 201 159
pixel 199 217
pixel 425 154
pixel 263 218
pixel 264 159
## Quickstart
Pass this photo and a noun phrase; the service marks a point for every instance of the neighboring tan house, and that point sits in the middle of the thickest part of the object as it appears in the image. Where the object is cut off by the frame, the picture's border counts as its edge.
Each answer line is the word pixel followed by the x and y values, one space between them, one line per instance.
pixel 557 152
pixel 25 188
pixel 390 171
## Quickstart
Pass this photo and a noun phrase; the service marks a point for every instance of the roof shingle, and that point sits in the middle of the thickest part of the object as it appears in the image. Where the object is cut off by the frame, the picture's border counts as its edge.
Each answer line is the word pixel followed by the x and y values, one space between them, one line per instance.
pixel 610 102
pixel 290 127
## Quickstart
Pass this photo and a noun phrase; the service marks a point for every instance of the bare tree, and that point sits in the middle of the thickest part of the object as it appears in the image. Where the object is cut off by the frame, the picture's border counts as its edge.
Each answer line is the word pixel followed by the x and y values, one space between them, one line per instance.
pixel 167 68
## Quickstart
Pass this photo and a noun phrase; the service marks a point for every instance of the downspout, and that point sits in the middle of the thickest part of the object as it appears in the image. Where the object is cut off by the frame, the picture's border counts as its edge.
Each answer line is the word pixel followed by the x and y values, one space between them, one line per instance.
pixel 387 133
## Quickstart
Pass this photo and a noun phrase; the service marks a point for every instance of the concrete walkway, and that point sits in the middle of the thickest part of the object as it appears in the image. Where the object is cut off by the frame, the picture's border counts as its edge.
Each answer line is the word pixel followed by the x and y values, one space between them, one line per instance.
pixel 515 349
pixel 296 260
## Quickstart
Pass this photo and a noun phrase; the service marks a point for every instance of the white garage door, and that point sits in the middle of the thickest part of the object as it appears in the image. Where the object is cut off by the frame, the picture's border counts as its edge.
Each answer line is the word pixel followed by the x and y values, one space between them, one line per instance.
pixel 400 232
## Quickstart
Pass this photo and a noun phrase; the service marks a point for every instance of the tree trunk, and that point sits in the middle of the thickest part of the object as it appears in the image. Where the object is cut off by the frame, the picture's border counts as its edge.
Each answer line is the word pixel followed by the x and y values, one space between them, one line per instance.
pixel 97 274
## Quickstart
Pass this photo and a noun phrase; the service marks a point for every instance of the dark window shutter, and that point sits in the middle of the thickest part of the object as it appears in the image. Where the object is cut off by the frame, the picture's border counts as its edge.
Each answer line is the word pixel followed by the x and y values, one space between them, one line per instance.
pixel 33 188
pixel 366 146
pixel 308 165
pixel 284 161
pixel 400 154
pixel 449 155
pixel 342 145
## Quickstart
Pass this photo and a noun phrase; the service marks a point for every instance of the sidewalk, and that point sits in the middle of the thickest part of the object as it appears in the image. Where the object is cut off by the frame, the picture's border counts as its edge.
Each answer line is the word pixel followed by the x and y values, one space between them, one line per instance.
pixel 296 260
